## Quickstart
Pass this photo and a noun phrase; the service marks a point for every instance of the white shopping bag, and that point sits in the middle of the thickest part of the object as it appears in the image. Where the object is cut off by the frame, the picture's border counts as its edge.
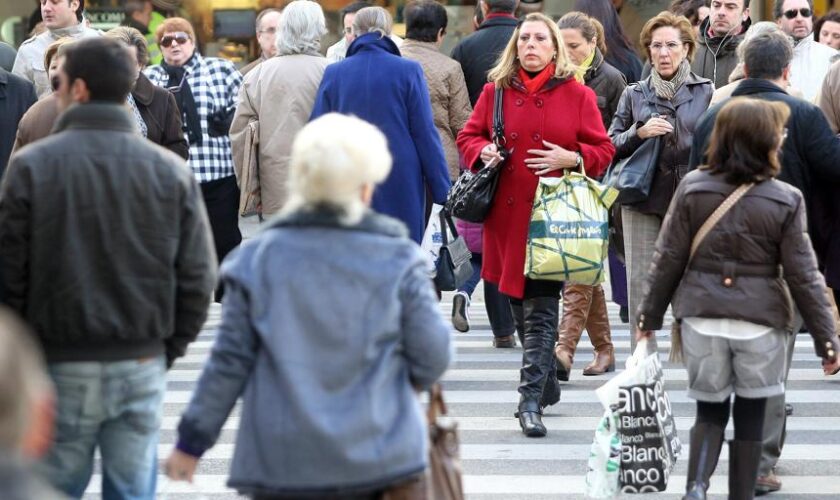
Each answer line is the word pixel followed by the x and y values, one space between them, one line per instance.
pixel 604 459
pixel 432 240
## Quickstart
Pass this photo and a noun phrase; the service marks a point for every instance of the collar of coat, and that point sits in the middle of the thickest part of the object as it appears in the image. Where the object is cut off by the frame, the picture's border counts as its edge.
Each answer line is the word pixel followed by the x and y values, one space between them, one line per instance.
pixel 373 41
pixel 749 86
pixel 729 42
pixel 501 20
pixel 592 72
pixel 684 93
pixel 96 115
pixel 144 90
pixel 329 217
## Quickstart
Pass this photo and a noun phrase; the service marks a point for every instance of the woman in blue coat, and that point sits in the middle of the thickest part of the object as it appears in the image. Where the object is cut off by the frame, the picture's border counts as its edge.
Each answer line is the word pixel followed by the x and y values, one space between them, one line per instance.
pixel 376 84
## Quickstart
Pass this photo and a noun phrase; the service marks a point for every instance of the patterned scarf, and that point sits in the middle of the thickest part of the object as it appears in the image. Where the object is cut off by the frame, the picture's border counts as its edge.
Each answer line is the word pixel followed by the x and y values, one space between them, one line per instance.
pixel 137 117
pixel 667 89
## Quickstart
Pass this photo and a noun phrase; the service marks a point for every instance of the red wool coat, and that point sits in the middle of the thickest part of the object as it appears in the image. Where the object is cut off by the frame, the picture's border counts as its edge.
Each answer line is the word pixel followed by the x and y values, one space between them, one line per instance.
pixel 563 112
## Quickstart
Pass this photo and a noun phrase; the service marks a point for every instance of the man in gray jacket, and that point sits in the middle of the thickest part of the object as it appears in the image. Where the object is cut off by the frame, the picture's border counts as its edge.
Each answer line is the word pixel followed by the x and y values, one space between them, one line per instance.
pixel 63 18
pixel 106 252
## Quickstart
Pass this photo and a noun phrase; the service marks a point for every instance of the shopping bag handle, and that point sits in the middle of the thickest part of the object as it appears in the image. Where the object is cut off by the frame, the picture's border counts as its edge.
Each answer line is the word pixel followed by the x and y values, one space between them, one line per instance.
pixel 639 354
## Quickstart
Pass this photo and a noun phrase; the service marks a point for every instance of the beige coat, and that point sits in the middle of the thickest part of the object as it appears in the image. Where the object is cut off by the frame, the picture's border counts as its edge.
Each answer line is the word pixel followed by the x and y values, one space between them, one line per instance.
pixel 280 94
pixel 448 91
pixel 829 97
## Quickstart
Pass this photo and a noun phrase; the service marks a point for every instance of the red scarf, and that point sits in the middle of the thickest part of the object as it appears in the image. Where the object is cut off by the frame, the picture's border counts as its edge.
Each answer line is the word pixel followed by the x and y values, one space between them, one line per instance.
pixel 536 83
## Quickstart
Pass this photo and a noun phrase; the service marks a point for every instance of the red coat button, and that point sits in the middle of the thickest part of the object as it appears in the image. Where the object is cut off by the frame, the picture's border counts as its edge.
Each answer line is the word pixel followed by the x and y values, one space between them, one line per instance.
pixel 520 102
pixel 510 201
pixel 514 135
pixel 539 103
pixel 536 137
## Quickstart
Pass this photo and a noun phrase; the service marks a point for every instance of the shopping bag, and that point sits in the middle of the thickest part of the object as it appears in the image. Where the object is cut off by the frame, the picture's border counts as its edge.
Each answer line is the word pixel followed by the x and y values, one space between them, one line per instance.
pixel 432 240
pixel 649 442
pixel 569 229
pixel 604 459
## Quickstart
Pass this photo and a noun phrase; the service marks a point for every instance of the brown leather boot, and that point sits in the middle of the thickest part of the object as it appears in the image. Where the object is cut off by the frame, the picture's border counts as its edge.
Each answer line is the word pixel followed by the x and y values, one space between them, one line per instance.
pixel 598 326
pixel 576 300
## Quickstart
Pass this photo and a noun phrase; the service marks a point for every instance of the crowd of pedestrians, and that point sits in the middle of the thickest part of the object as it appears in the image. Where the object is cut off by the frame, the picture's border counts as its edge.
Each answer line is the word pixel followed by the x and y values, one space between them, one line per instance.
pixel 124 156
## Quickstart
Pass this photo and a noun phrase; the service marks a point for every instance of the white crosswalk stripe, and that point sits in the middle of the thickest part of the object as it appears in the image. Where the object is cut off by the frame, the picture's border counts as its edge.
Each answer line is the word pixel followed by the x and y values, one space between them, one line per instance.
pixel 500 463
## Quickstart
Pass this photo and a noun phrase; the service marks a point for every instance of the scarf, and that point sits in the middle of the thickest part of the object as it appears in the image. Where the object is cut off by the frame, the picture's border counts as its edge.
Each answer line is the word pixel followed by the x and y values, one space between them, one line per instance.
pixel 137 116
pixel 535 83
pixel 584 67
pixel 180 87
pixel 667 89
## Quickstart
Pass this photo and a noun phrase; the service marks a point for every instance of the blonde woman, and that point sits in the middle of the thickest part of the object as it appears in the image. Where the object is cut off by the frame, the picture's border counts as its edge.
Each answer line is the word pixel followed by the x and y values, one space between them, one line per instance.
pixel 551 123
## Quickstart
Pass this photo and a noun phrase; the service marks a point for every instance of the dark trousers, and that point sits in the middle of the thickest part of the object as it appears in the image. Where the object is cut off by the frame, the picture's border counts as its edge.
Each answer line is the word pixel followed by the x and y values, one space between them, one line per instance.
pixel 496 304
pixel 221 198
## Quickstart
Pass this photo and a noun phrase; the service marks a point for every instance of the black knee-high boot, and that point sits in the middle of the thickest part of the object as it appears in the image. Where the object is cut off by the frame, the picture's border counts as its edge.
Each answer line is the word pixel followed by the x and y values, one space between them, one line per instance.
pixel 519 321
pixel 744 459
pixel 706 441
pixel 538 388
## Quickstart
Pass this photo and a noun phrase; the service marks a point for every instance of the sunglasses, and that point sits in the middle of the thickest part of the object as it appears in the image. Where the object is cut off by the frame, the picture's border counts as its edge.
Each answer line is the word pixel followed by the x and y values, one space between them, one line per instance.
pixel 791 14
pixel 181 38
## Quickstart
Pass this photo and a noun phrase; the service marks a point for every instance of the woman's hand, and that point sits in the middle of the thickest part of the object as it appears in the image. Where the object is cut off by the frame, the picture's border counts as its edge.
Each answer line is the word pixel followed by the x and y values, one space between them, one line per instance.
pixel 654 127
pixel 831 367
pixel 490 152
pixel 180 466
pixel 550 159
pixel 643 334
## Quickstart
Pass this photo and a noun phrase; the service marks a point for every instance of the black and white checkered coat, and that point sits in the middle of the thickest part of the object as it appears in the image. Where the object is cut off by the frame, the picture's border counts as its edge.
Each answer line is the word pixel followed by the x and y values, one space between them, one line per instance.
pixel 215 86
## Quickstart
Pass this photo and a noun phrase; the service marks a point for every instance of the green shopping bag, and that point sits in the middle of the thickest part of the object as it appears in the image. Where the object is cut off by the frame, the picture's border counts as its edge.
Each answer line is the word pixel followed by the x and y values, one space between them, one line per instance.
pixel 567 236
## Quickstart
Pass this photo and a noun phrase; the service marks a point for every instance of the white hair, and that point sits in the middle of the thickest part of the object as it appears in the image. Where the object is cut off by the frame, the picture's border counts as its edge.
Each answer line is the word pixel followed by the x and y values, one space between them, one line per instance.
pixel 372 20
pixel 333 158
pixel 23 380
pixel 301 27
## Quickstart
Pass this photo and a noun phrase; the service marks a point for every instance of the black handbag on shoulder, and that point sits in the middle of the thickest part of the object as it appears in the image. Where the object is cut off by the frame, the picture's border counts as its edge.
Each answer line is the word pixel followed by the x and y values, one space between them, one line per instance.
pixel 471 197
pixel 633 176
pixel 453 265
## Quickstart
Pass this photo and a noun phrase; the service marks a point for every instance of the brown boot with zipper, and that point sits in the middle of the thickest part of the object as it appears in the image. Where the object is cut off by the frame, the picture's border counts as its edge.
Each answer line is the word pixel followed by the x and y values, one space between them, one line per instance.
pixel 576 300
pixel 598 327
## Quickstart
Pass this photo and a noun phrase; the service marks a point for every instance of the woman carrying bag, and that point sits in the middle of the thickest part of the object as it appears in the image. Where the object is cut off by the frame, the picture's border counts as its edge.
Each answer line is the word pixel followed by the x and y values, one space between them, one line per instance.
pixel 667 104
pixel 551 123
pixel 732 251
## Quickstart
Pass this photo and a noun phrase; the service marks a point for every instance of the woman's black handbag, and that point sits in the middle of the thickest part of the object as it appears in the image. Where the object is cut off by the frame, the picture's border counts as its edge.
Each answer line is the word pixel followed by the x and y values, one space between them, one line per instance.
pixel 633 176
pixel 472 194
pixel 453 265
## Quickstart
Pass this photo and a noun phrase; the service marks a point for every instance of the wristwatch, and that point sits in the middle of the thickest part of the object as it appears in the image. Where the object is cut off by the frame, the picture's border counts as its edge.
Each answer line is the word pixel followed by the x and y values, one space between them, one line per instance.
pixel 579 161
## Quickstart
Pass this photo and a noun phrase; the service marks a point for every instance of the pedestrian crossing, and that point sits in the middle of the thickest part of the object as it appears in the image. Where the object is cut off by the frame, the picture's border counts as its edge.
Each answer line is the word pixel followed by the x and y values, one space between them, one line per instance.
pixel 500 463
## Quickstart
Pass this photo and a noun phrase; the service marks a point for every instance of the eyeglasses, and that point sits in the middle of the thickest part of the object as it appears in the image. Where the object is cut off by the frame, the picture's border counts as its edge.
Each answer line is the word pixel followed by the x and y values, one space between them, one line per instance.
pixel 671 46
pixel 180 38
pixel 270 31
pixel 791 14
pixel 348 30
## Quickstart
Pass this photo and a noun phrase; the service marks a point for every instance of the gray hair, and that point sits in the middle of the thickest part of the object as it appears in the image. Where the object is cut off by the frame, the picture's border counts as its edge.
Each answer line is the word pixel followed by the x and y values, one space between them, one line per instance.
pixel 23 379
pixel 372 20
pixel 131 37
pixel 333 158
pixel 301 28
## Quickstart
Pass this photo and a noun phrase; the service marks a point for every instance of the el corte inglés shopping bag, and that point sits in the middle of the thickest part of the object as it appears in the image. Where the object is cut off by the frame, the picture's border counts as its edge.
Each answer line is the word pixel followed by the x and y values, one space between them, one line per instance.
pixel 567 237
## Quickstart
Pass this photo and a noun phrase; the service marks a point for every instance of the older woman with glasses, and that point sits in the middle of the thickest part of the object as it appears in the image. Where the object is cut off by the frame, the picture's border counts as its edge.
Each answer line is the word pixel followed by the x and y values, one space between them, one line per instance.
pixel 667 104
pixel 552 124
pixel 277 97
pixel 206 90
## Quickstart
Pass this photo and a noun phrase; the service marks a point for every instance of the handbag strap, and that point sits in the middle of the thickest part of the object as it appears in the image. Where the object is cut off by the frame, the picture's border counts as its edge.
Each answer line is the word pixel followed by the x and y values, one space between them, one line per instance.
pixel 716 216
pixel 446 221
pixel 437 406
pixel 498 119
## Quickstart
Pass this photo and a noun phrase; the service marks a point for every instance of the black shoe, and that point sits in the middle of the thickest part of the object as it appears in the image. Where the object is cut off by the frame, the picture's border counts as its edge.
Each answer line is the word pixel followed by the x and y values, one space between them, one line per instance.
pixel 706 441
pixel 507 342
pixel 788 409
pixel 460 315
pixel 623 314
pixel 530 419
pixel 744 458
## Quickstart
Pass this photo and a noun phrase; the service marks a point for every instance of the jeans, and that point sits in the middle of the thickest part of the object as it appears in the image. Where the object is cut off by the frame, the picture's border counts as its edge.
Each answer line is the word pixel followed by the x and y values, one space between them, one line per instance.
pixel 116 406
pixel 496 304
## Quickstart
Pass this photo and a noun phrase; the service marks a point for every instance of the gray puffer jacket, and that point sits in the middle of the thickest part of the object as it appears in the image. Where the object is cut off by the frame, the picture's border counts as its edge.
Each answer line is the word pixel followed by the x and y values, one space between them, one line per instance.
pixel 748 267
pixel 325 328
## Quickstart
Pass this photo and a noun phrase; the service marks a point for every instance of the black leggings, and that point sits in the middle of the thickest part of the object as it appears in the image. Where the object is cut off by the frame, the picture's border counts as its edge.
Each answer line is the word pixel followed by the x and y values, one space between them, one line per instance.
pixel 747 413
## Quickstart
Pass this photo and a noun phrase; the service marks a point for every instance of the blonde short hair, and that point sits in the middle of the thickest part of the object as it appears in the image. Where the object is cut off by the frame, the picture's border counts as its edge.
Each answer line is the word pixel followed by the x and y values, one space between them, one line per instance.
pixel 333 158
pixel 507 65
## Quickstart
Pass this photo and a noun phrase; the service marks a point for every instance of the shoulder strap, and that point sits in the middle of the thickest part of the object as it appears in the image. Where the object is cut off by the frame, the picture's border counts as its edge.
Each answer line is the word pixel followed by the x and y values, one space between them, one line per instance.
pixel 498 119
pixel 716 216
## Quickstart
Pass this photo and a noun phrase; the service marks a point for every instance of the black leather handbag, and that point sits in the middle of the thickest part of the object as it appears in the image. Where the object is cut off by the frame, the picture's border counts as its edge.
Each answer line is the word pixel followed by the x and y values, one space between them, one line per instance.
pixel 453 265
pixel 633 176
pixel 471 197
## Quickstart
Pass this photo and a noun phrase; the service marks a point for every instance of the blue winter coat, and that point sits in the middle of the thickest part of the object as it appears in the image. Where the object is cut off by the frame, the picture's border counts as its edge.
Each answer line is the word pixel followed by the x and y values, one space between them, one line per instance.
pixel 377 85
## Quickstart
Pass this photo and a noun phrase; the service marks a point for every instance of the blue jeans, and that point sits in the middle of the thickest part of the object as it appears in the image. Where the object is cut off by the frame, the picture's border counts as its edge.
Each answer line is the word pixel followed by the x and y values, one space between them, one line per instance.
pixel 116 406
pixel 496 304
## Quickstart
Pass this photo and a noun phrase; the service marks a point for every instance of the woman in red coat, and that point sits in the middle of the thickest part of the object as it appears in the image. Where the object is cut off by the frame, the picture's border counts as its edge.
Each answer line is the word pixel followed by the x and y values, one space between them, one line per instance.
pixel 551 123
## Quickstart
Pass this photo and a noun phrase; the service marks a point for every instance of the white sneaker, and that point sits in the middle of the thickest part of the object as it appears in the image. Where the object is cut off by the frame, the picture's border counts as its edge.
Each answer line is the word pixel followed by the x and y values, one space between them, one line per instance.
pixel 461 312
